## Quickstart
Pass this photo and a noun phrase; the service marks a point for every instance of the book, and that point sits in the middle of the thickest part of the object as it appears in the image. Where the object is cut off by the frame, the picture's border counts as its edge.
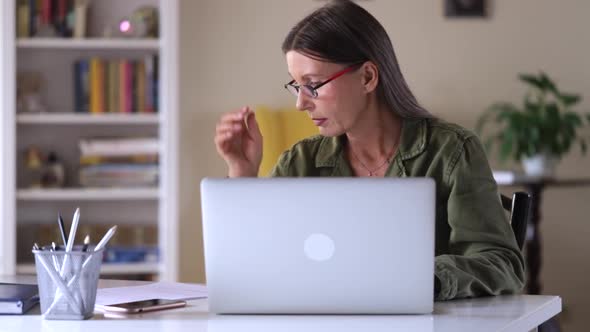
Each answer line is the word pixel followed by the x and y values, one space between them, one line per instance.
pixel 155 84
pixel 80 13
pixel 86 160
pixel 149 75
pixel 96 85
pixel 119 175
pixel 140 87
pixel 119 146
pixel 113 86
pixel 23 26
pixel 81 89
pixel 59 17
pixel 17 299
pixel 128 86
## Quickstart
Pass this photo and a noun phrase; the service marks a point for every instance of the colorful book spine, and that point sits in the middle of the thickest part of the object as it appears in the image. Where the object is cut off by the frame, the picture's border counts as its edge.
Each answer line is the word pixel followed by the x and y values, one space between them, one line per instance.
pixel 113 86
pixel 23 19
pixel 61 9
pixel 149 73
pixel 85 80
pixel 128 86
pixel 46 11
pixel 96 86
pixel 133 94
pixel 32 17
pixel 78 86
pixel 38 15
pixel 80 13
pixel 105 86
pixel 122 84
pixel 140 87
pixel 156 83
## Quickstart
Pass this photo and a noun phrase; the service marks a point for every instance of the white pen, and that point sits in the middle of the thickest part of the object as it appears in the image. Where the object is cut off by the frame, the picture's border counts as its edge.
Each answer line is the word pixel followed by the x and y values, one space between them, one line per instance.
pixel 70 243
pixel 55 263
pixel 106 238
pixel 86 243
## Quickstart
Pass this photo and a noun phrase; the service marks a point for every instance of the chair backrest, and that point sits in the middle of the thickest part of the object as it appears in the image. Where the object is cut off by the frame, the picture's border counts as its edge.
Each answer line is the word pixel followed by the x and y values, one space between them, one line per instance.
pixel 519 207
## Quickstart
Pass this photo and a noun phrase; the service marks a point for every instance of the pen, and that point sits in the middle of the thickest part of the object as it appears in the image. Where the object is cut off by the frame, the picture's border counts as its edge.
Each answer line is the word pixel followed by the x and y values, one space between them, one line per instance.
pixel 109 234
pixel 71 238
pixel 86 243
pixel 62 229
pixel 55 263
pixel 106 238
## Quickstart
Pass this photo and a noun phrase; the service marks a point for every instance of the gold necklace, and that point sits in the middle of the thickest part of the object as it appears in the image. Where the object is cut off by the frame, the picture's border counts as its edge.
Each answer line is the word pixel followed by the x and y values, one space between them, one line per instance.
pixel 386 162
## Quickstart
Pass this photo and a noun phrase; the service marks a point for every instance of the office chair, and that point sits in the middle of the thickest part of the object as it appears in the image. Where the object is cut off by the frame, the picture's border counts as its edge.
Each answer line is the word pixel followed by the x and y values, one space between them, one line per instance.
pixel 519 207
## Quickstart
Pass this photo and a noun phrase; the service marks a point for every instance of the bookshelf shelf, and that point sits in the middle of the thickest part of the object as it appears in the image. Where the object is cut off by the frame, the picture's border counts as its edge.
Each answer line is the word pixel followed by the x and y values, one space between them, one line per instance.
pixel 108 268
pixel 87 194
pixel 88 44
pixel 89 119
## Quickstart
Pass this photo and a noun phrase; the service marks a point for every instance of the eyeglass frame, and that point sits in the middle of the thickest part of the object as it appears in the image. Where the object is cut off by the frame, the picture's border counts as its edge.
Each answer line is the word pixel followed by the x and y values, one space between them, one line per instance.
pixel 313 89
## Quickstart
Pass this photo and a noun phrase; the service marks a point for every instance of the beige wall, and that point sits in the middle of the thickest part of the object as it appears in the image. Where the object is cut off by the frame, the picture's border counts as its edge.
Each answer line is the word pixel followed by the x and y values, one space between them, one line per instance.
pixel 230 56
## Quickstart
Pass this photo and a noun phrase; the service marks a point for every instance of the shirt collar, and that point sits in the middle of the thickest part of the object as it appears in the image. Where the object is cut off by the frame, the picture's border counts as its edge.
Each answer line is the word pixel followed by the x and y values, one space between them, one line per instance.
pixel 413 143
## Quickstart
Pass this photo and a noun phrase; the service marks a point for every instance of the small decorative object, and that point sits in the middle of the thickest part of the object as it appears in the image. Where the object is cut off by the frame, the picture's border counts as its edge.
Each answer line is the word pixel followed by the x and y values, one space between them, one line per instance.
pixel 53 175
pixel 142 23
pixel 43 172
pixel 34 164
pixel 540 132
pixel 465 8
pixel 28 94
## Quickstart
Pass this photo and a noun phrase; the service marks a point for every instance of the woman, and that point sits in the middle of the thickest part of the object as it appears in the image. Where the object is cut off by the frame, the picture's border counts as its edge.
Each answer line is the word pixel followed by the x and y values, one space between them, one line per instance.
pixel 346 77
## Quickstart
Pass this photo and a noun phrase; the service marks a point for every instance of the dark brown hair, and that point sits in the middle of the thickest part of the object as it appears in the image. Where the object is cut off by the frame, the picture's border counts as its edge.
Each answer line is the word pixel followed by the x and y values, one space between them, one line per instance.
pixel 345 33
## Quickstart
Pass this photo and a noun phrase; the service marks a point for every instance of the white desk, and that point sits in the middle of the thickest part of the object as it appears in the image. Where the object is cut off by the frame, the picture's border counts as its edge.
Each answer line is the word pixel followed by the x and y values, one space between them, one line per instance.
pixel 503 313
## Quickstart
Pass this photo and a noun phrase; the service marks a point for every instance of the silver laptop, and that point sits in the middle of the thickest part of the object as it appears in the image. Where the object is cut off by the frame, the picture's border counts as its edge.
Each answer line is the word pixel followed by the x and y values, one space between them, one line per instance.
pixel 319 245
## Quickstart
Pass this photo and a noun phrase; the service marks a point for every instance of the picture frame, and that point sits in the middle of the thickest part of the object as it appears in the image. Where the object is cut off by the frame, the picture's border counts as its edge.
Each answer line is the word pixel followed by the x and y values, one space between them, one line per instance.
pixel 466 8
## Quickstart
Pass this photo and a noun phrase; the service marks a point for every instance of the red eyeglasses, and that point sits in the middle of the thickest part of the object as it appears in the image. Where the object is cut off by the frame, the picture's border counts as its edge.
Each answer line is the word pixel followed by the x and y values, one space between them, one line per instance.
pixel 311 91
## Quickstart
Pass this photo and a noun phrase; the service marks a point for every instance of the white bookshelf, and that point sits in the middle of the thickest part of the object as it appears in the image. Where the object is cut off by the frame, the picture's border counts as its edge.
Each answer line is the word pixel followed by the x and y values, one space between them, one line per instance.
pixel 106 268
pixel 87 119
pixel 88 44
pixel 87 194
pixel 61 128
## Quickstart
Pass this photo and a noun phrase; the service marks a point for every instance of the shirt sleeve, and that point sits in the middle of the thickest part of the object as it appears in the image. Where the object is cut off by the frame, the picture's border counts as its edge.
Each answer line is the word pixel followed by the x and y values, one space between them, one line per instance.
pixel 484 258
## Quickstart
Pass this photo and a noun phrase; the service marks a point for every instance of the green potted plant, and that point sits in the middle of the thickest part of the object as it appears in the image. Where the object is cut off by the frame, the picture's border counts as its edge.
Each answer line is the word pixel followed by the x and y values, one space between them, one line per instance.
pixel 539 132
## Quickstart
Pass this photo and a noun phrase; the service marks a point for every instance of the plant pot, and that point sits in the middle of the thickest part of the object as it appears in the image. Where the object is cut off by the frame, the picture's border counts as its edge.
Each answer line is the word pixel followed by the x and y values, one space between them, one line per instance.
pixel 540 165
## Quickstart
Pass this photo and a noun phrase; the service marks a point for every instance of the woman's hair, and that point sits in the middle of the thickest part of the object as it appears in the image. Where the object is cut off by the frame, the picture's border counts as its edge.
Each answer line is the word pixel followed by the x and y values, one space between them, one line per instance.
pixel 345 33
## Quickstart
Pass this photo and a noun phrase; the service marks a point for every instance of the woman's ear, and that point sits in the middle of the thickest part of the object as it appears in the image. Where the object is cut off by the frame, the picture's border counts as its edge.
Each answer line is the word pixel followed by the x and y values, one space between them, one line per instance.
pixel 370 76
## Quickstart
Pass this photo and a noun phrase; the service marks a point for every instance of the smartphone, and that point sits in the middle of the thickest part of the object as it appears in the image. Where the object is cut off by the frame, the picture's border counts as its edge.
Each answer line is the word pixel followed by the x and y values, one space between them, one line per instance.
pixel 142 306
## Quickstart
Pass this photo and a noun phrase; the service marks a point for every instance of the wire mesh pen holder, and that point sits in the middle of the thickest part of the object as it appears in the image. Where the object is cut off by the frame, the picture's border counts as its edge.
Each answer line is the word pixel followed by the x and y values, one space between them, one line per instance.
pixel 67 282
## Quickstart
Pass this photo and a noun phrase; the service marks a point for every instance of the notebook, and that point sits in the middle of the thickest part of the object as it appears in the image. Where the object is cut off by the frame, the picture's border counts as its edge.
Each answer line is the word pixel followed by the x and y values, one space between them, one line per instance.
pixel 17 298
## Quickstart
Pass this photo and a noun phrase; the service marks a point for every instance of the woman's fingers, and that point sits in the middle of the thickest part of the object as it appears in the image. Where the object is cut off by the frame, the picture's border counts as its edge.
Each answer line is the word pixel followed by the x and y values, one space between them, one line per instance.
pixel 252 126
pixel 233 127
pixel 235 116
pixel 229 132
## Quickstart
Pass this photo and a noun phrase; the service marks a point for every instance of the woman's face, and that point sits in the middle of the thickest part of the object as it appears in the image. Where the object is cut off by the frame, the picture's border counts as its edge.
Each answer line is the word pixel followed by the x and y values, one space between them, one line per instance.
pixel 339 103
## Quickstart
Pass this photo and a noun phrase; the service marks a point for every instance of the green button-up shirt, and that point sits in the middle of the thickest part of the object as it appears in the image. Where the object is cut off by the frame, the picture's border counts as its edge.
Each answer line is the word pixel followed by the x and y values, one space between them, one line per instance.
pixel 476 251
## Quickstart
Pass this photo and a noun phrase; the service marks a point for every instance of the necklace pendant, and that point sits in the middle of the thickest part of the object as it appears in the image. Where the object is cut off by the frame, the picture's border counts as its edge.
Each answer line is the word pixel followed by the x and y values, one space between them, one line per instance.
pixel 370 173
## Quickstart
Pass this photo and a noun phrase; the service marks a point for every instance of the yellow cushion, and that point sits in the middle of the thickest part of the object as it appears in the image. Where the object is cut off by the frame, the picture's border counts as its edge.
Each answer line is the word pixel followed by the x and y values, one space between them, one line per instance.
pixel 281 129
